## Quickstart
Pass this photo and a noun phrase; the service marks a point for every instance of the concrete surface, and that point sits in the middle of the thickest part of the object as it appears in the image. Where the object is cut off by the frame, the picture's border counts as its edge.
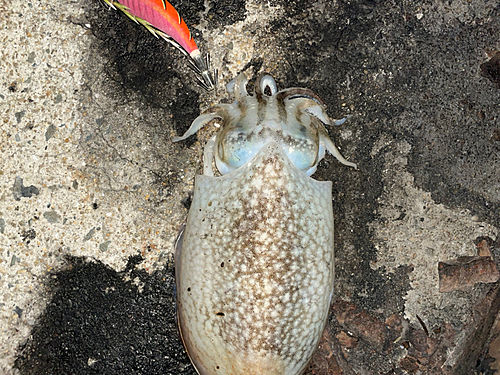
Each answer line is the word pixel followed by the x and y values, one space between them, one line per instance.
pixel 93 191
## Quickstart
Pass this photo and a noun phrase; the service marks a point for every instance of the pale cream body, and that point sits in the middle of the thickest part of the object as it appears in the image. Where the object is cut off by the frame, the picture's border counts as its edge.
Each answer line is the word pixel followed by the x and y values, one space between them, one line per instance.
pixel 255 264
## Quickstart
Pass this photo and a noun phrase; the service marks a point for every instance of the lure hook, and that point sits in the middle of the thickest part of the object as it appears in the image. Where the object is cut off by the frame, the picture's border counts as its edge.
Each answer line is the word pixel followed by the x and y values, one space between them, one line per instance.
pixel 201 66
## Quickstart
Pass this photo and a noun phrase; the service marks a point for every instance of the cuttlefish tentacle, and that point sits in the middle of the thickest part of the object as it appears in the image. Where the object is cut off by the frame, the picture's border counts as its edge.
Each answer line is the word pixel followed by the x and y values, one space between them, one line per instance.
pixel 238 86
pixel 298 92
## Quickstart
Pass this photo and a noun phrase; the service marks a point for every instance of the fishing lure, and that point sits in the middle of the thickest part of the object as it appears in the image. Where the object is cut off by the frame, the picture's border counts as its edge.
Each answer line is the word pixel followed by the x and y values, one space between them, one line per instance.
pixel 255 262
pixel 162 20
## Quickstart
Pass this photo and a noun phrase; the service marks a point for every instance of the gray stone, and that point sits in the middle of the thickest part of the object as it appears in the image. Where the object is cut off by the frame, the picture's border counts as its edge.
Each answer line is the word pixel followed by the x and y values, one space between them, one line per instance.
pixel 50 132
pixel 20 191
pixel 52 216
pixel 89 235
pixel 104 246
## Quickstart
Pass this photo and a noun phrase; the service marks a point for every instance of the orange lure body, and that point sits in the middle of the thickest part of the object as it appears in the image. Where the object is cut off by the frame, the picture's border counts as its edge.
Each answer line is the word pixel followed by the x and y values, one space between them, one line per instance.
pixel 162 19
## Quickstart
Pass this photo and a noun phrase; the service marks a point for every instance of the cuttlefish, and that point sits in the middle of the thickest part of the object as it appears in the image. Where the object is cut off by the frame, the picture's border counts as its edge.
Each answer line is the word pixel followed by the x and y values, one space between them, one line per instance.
pixel 255 261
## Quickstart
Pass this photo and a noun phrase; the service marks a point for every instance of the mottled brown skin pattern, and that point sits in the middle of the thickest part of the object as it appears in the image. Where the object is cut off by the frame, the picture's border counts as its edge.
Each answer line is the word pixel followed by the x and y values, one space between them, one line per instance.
pixel 257 274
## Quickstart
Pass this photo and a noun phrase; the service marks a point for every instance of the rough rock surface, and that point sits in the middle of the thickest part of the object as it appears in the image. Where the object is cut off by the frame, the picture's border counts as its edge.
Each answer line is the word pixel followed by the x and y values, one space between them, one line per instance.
pixel 93 191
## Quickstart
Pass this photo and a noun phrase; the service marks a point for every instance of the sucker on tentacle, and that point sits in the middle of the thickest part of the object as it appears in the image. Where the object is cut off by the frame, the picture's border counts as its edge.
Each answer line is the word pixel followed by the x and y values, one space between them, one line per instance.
pixel 255 264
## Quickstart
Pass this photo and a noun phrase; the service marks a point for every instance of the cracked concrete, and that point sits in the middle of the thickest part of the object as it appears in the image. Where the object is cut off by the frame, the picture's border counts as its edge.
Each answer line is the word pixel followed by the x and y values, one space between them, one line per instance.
pixel 93 191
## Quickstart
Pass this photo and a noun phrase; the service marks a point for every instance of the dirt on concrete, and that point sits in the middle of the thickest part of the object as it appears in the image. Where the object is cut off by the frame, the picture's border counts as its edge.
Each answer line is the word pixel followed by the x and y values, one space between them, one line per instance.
pixel 94 191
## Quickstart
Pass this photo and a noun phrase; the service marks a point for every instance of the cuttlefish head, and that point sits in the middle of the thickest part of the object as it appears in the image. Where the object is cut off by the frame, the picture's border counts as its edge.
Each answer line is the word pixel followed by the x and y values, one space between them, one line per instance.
pixel 294 118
